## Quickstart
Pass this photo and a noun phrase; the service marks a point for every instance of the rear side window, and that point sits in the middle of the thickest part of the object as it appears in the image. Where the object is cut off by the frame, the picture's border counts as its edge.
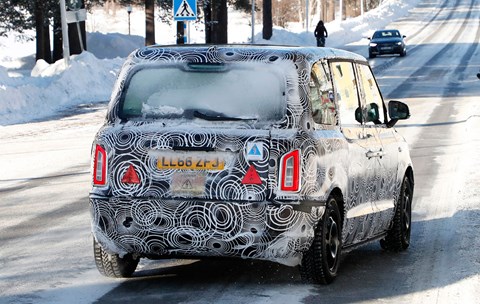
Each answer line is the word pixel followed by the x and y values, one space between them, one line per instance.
pixel 346 92
pixel 321 95
pixel 246 90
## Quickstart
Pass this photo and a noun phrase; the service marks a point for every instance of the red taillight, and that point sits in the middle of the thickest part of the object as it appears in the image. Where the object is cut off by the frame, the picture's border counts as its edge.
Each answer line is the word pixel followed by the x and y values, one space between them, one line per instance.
pixel 290 171
pixel 100 166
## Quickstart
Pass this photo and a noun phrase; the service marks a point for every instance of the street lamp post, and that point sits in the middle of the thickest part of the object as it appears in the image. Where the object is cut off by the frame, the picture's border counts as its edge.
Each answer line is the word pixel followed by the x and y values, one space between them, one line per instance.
pixel 129 11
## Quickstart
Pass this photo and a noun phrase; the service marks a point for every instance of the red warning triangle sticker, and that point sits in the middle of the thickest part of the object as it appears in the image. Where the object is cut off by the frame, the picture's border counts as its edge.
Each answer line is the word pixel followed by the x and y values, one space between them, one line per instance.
pixel 251 177
pixel 131 177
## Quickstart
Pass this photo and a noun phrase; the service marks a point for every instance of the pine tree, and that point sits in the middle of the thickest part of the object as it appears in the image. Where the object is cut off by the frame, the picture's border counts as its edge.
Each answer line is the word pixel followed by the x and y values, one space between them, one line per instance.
pixel 22 15
pixel 12 18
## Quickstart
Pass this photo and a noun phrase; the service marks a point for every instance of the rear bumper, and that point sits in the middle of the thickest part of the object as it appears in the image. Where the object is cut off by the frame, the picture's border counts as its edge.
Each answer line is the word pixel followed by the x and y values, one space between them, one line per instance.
pixel 158 228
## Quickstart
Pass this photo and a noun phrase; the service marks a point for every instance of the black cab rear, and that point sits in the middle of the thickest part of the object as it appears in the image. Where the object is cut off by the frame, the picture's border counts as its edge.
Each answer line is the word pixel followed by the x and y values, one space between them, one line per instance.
pixel 277 153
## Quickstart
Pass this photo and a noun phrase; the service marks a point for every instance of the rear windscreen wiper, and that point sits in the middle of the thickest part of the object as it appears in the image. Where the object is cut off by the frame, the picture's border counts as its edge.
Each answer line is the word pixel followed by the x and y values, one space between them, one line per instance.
pixel 216 116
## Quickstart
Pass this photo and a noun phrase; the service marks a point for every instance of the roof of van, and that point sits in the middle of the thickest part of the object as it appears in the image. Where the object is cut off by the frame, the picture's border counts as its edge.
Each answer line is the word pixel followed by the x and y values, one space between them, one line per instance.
pixel 210 53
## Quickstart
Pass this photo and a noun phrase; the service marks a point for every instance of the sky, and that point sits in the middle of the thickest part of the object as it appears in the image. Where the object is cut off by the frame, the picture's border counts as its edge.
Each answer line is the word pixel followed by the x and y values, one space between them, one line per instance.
pixel 32 90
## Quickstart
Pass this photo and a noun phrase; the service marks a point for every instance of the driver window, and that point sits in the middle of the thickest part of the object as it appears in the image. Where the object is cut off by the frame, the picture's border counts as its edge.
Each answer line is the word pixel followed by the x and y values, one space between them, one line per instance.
pixel 321 95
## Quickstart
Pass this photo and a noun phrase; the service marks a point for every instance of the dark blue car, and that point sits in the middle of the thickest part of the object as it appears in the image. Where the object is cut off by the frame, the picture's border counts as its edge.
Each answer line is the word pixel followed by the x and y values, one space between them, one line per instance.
pixel 387 42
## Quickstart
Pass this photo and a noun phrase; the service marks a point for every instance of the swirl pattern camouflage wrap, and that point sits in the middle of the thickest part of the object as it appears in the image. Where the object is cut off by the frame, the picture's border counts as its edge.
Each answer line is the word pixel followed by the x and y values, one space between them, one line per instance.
pixel 207 188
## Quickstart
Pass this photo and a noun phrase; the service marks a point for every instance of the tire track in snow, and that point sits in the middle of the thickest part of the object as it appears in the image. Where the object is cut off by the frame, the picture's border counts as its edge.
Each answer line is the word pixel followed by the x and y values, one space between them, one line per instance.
pixel 436 235
pixel 378 69
pixel 437 58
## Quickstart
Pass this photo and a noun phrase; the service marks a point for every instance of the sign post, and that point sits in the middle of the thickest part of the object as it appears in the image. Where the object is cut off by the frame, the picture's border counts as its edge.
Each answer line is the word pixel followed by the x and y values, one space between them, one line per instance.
pixel 76 14
pixel 66 46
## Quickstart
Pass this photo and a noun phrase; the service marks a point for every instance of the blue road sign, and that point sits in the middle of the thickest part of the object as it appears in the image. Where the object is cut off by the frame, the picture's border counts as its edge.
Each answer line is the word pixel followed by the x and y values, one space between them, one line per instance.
pixel 184 10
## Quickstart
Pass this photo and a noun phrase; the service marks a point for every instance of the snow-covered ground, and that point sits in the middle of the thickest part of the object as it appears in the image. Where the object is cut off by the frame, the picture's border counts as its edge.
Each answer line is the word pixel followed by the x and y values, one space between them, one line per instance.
pixel 31 91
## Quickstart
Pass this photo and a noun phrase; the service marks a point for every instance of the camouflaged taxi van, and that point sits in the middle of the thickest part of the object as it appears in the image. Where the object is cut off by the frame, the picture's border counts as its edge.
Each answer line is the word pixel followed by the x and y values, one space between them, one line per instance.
pixel 286 154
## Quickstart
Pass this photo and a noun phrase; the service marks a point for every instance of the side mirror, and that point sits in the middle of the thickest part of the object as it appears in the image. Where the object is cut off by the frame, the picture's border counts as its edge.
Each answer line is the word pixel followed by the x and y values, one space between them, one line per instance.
pixel 404 36
pixel 397 110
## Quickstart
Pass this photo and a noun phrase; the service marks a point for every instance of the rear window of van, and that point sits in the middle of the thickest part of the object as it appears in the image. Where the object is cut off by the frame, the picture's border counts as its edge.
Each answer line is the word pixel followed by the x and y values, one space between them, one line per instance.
pixel 240 90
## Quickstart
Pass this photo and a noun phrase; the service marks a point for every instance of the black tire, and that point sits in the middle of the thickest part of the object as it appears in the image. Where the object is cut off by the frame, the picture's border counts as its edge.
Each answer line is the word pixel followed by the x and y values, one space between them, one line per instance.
pixel 320 263
pixel 398 237
pixel 403 53
pixel 111 265
pixel 371 56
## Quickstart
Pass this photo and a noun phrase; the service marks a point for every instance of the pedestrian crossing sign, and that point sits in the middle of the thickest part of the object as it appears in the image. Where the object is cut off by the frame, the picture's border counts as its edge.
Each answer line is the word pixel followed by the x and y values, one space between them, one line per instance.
pixel 184 10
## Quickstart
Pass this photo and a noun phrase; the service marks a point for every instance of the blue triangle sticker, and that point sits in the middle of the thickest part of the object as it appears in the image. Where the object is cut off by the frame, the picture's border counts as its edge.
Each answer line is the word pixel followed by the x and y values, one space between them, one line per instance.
pixel 254 151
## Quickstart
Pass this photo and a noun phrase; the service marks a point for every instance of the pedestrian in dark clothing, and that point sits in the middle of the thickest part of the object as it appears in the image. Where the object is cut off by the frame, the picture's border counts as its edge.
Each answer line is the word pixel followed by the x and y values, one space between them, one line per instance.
pixel 320 33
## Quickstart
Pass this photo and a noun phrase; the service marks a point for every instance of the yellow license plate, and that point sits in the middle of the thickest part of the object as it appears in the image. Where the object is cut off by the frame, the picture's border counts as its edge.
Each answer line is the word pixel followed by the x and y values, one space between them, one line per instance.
pixel 190 163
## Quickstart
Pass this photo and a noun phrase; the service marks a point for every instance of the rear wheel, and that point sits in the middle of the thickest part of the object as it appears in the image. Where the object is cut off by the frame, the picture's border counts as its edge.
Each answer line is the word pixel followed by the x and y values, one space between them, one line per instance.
pixel 398 237
pixel 320 263
pixel 112 265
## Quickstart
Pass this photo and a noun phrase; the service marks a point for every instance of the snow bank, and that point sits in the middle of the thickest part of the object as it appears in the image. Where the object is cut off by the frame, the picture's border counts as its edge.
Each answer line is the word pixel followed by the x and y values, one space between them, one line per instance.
pixel 112 45
pixel 52 87
pixel 352 29
pixel 343 32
